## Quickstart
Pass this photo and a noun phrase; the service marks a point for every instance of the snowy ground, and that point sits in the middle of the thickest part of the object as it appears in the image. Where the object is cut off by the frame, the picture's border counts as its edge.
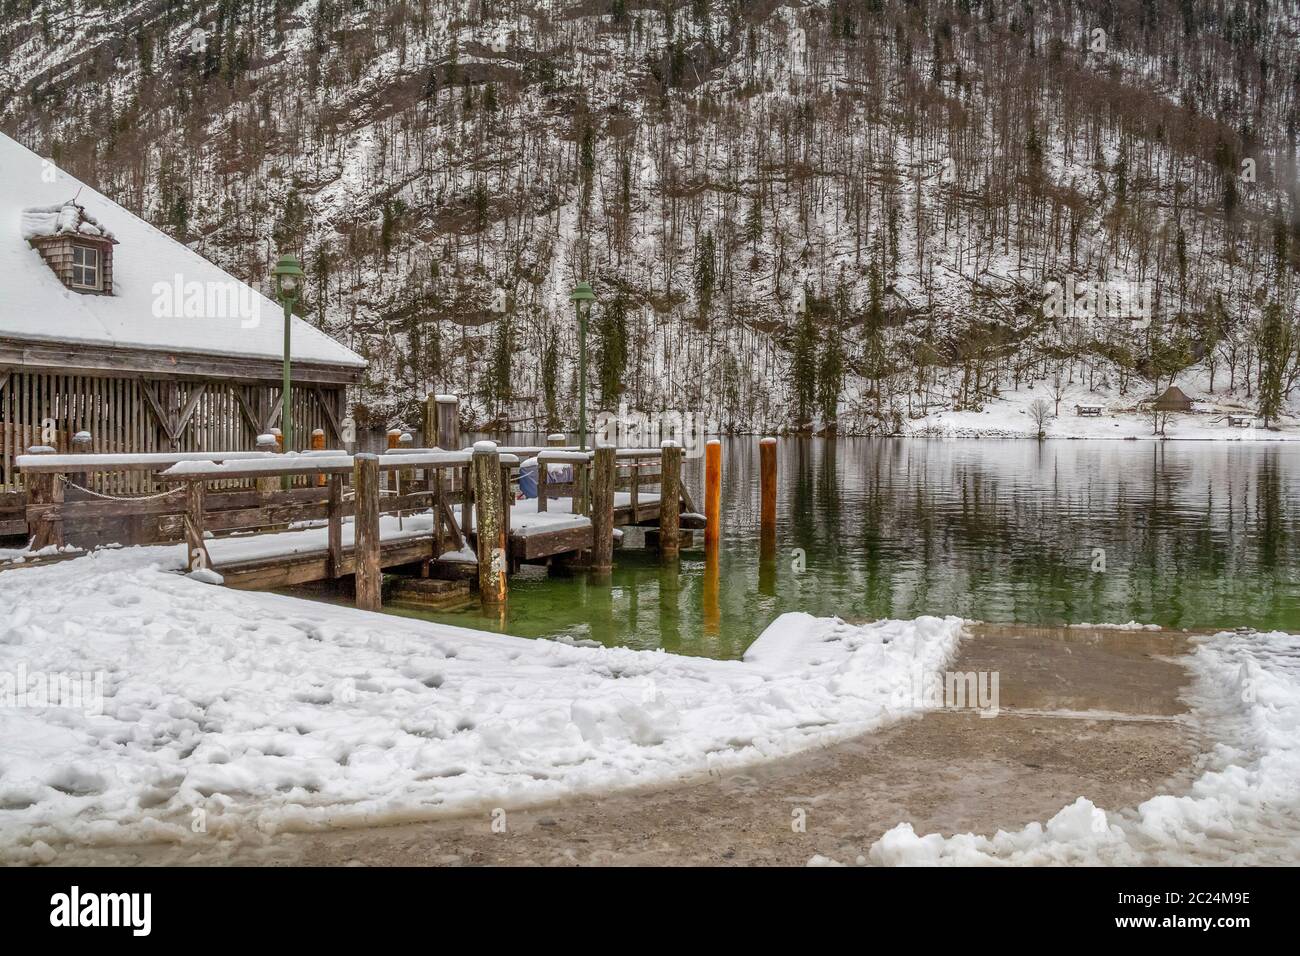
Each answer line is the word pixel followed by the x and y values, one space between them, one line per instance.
pixel 222 709
pixel 1241 810
pixel 1009 417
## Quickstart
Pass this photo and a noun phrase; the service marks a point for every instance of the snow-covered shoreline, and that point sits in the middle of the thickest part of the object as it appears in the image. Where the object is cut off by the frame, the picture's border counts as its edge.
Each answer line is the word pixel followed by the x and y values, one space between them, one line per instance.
pixel 234 709
pixel 1242 809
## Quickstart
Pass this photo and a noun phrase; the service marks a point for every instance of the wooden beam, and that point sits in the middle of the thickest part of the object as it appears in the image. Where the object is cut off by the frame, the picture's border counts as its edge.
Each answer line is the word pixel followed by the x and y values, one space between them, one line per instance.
pixel 67 358
pixel 196 394
pixel 155 406
pixel 327 407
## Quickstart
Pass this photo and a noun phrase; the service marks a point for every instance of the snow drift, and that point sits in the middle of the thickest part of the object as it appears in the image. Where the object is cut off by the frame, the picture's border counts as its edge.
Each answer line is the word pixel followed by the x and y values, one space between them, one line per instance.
pixel 238 708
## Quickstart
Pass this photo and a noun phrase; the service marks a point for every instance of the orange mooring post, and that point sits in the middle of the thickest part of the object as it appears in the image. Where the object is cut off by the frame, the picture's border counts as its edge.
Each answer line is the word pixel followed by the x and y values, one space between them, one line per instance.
pixel 767 496
pixel 712 494
pixel 318 444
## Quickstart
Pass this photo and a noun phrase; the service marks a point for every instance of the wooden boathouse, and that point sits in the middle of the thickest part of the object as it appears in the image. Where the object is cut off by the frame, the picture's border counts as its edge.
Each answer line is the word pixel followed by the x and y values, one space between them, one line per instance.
pixel 112 329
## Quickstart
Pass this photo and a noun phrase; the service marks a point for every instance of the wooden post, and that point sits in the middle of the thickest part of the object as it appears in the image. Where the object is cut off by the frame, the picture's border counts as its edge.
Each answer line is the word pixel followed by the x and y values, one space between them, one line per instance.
pixel 556 439
pixel 429 426
pixel 602 510
pixel 286 482
pixel 466 501
pixel 632 489
pixel 767 496
pixel 448 422
pixel 81 443
pixel 335 516
pixel 406 477
pixel 670 483
pixel 712 494
pixel 196 549
pixel 436 508
pixel 365 552
pixel 267 442
pixel 543 476
pixel 318 444
pixel 489 523
pixel 44 526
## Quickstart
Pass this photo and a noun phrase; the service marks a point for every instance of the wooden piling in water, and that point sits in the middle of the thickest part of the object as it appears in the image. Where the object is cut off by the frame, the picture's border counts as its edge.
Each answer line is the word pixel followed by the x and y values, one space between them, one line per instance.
pixel 712 494
pixel 767 496
pixel 602 510
pixel 670 491
pixel 365 487
pixel 556 439
pixel 489 523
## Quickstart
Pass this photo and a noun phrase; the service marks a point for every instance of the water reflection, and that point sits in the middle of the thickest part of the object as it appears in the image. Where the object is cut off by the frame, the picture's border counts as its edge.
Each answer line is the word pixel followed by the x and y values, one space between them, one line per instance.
pixel 1183 534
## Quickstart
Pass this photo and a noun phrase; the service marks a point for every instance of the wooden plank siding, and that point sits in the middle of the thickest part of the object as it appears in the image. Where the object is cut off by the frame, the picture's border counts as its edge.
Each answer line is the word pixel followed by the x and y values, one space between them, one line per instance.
pixel 122 415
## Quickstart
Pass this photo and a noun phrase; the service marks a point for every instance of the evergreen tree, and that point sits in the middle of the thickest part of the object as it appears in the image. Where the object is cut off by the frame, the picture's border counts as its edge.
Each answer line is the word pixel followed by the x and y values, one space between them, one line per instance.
pixel 551 377
pixel 500 386
pixel 706 274
pixel 611 351
pixel 1276 340
pixel 803 367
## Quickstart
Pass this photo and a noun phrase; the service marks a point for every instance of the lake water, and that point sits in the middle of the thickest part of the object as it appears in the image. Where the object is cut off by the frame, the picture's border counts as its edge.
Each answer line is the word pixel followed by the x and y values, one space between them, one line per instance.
pixel 1193 535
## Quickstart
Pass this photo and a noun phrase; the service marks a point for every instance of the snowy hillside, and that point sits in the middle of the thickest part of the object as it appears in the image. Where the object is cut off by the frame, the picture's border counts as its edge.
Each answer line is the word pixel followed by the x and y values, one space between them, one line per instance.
pixel 791 212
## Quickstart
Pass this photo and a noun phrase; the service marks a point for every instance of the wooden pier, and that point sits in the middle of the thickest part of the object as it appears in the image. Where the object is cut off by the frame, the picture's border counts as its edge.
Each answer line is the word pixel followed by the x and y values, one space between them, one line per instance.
pixel 410 511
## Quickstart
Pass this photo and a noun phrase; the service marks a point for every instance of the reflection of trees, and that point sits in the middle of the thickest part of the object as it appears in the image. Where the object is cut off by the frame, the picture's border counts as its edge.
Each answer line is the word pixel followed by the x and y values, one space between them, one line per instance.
pixel 1008 532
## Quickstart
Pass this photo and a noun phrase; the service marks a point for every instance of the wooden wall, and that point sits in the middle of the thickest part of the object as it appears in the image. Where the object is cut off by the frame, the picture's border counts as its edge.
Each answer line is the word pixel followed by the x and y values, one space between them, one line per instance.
pixel 197 415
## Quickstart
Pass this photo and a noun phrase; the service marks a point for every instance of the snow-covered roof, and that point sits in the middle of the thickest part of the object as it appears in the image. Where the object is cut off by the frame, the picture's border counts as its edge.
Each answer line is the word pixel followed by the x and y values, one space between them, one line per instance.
pixel 163 293
pixel 61 219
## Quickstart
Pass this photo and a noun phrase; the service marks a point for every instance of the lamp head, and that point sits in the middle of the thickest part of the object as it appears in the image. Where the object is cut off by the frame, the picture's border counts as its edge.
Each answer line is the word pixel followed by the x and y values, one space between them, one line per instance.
pixel 288 277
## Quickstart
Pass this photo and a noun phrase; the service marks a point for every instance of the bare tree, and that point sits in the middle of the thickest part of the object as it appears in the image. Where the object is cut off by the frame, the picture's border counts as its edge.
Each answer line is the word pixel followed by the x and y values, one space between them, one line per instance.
pixel 1040 412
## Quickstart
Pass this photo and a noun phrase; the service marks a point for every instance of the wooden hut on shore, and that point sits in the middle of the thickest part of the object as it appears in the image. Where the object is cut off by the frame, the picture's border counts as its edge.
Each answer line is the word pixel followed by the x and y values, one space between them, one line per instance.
pixel 1173 399
pixel 111 327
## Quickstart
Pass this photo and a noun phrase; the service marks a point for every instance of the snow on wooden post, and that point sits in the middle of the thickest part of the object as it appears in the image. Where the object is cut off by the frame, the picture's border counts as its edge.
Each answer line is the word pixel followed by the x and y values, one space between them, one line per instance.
pixel 81 443
pixel 489 523
pixel 406 477
pixel 365 558
pixel 670 490
pixel 44 500
pixel 712 494
pixel 448 422
pixel 602 510
pixel 267 443
pixel 318 444
pixel 767 497
pixel 556 439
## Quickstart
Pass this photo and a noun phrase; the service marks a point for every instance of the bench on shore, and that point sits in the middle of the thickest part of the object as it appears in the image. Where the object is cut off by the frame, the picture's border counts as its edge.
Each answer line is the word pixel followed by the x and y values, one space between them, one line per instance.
pixel 1089 411
pixel 1241 421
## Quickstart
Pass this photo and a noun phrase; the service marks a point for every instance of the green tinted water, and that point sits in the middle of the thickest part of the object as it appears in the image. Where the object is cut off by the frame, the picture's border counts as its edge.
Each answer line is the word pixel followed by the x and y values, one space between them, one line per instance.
pixel 1181 534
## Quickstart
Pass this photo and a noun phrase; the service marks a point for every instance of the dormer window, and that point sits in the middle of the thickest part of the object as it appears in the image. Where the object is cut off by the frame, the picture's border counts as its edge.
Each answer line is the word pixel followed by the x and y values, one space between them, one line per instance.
pixel 85 268
pixel 76 247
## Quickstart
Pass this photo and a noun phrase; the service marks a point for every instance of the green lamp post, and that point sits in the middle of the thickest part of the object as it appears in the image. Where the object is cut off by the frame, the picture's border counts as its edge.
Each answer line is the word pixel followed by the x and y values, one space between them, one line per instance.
pixel 288 283
pixel 582 298
pixel 289 278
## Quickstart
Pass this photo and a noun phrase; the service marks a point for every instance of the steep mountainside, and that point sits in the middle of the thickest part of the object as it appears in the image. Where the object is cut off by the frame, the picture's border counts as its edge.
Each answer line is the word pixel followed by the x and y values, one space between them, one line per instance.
pixel 790 211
